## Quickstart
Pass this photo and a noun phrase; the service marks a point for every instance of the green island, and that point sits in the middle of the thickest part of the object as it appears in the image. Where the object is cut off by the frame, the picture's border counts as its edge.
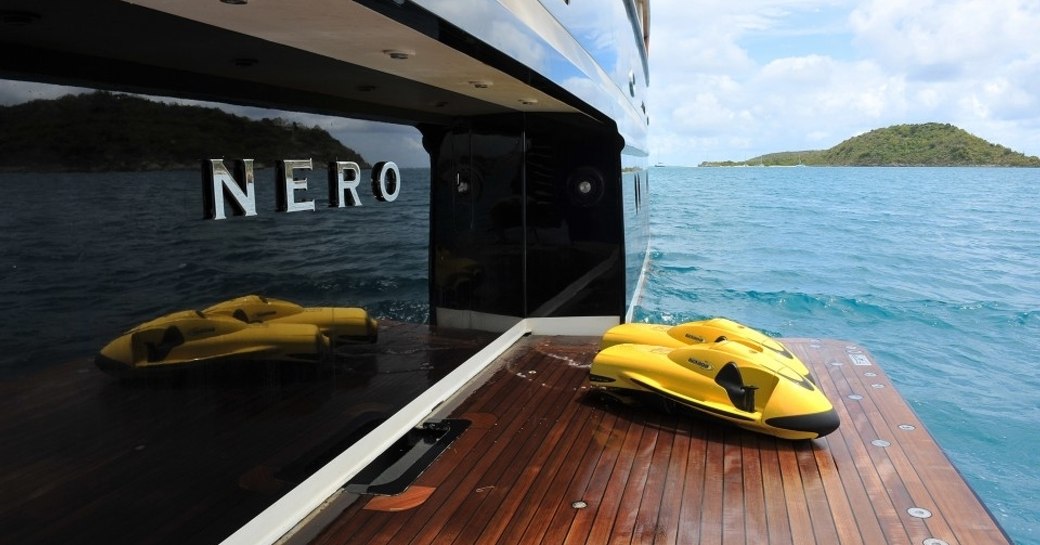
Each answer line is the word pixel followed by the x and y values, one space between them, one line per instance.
pixel 924 144
pixel 106 132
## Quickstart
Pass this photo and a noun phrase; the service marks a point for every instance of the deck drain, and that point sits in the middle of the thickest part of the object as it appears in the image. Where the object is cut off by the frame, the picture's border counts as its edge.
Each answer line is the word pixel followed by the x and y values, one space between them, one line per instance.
pixel 919 512
pixel 880 443
pixel 934 541
pixel 870 374
pixel 907 427
pixel 579 504
pixel 857 397
pixel 877 386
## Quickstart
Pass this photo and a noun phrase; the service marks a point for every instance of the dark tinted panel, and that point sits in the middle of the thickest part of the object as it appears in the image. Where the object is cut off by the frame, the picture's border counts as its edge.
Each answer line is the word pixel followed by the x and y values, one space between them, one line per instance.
pixel 165 377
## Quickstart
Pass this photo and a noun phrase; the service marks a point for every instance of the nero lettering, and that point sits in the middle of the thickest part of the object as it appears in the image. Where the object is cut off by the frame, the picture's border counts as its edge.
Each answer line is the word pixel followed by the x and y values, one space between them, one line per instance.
pixel 232 191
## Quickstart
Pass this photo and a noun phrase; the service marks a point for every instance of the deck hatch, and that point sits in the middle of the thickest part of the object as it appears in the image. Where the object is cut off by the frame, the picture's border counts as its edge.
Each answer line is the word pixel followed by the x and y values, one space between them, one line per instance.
pixel 395 469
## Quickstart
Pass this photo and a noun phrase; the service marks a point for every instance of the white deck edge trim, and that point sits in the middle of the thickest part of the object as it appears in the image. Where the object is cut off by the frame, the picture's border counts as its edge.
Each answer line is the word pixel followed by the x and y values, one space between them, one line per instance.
pixel 573 326
pixel 283 515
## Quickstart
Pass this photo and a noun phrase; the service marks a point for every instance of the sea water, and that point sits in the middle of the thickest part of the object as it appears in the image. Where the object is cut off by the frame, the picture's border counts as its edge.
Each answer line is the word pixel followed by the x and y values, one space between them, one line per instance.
pixel 935 270
pixel 85 256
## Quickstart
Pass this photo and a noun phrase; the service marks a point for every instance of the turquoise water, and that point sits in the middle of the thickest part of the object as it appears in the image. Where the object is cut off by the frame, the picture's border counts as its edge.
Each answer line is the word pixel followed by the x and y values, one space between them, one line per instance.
pixel 935 271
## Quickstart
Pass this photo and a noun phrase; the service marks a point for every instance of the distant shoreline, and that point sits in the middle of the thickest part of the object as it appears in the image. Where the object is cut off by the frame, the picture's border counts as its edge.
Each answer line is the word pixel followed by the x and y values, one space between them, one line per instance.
pixel 917 145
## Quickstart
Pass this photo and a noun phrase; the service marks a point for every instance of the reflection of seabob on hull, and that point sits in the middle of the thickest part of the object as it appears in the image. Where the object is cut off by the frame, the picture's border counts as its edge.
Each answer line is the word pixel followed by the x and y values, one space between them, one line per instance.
pixel 248 328
pixel 339 324
pixel 719 368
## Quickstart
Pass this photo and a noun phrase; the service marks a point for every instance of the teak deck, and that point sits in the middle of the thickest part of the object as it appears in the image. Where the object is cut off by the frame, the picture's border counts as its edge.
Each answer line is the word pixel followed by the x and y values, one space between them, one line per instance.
pixel 546 462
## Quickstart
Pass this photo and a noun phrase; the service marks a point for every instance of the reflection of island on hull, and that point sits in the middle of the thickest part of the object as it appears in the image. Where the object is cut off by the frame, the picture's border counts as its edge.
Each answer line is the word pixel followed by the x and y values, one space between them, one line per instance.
pixel 249 328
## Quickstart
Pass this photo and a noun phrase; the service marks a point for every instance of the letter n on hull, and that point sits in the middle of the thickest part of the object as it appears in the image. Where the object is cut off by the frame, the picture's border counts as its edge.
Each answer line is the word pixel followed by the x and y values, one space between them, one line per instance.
pixel 220 186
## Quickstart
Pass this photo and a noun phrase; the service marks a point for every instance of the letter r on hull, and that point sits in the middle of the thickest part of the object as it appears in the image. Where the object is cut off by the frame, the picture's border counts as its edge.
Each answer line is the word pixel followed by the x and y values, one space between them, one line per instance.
pixel 344 177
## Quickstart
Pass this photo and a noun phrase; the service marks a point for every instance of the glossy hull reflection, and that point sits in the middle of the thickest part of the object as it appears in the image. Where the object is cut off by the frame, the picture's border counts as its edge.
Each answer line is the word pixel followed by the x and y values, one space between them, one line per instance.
pixel 152 454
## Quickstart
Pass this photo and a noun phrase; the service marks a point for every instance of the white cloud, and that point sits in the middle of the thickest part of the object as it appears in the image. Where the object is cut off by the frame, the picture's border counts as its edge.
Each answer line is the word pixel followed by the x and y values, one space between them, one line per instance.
pixel 726 84
pixel 945 39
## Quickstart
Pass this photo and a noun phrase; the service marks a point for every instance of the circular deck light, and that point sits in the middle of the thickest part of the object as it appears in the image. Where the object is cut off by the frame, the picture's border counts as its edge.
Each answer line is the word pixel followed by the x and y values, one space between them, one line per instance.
pixel 919 512
pixel 398 54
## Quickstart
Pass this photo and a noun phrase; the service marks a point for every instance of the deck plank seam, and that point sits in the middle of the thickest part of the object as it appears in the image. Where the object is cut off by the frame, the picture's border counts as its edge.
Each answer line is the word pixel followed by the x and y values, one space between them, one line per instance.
pixel 520 433
pixel 857 441
pixel 551 457
pixel 604 461
pixel 417 520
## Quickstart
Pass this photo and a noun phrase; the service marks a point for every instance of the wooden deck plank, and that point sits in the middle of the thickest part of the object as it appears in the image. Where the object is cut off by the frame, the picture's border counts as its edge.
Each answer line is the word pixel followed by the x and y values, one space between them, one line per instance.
pixel 756 526
pixel 559 510
pixel 649 477
pixel 513 480
pixel 531 519
pixel 635 487
pixel 693 488
pixel 609 448
pixel 919 455
pixel 670 512
pixel 794 493
pixel 900 480
pixel 874 509
pixel 653 500
pixel 861 475
pixel 425 523
pixel 608 498
pixel 733 530
pixel 776 512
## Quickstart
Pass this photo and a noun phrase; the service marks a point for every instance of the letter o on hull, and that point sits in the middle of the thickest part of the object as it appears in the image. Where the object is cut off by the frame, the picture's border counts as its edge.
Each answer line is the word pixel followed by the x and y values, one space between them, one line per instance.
pixel 386 181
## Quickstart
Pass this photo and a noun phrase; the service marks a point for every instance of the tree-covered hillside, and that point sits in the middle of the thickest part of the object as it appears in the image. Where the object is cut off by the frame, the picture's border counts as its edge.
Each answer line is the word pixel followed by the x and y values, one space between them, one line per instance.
pixel 103 131
pixel 927 144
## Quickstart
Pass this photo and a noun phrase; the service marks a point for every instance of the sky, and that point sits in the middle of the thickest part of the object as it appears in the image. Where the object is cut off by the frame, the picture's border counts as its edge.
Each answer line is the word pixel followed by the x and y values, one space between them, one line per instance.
pixel 734 79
